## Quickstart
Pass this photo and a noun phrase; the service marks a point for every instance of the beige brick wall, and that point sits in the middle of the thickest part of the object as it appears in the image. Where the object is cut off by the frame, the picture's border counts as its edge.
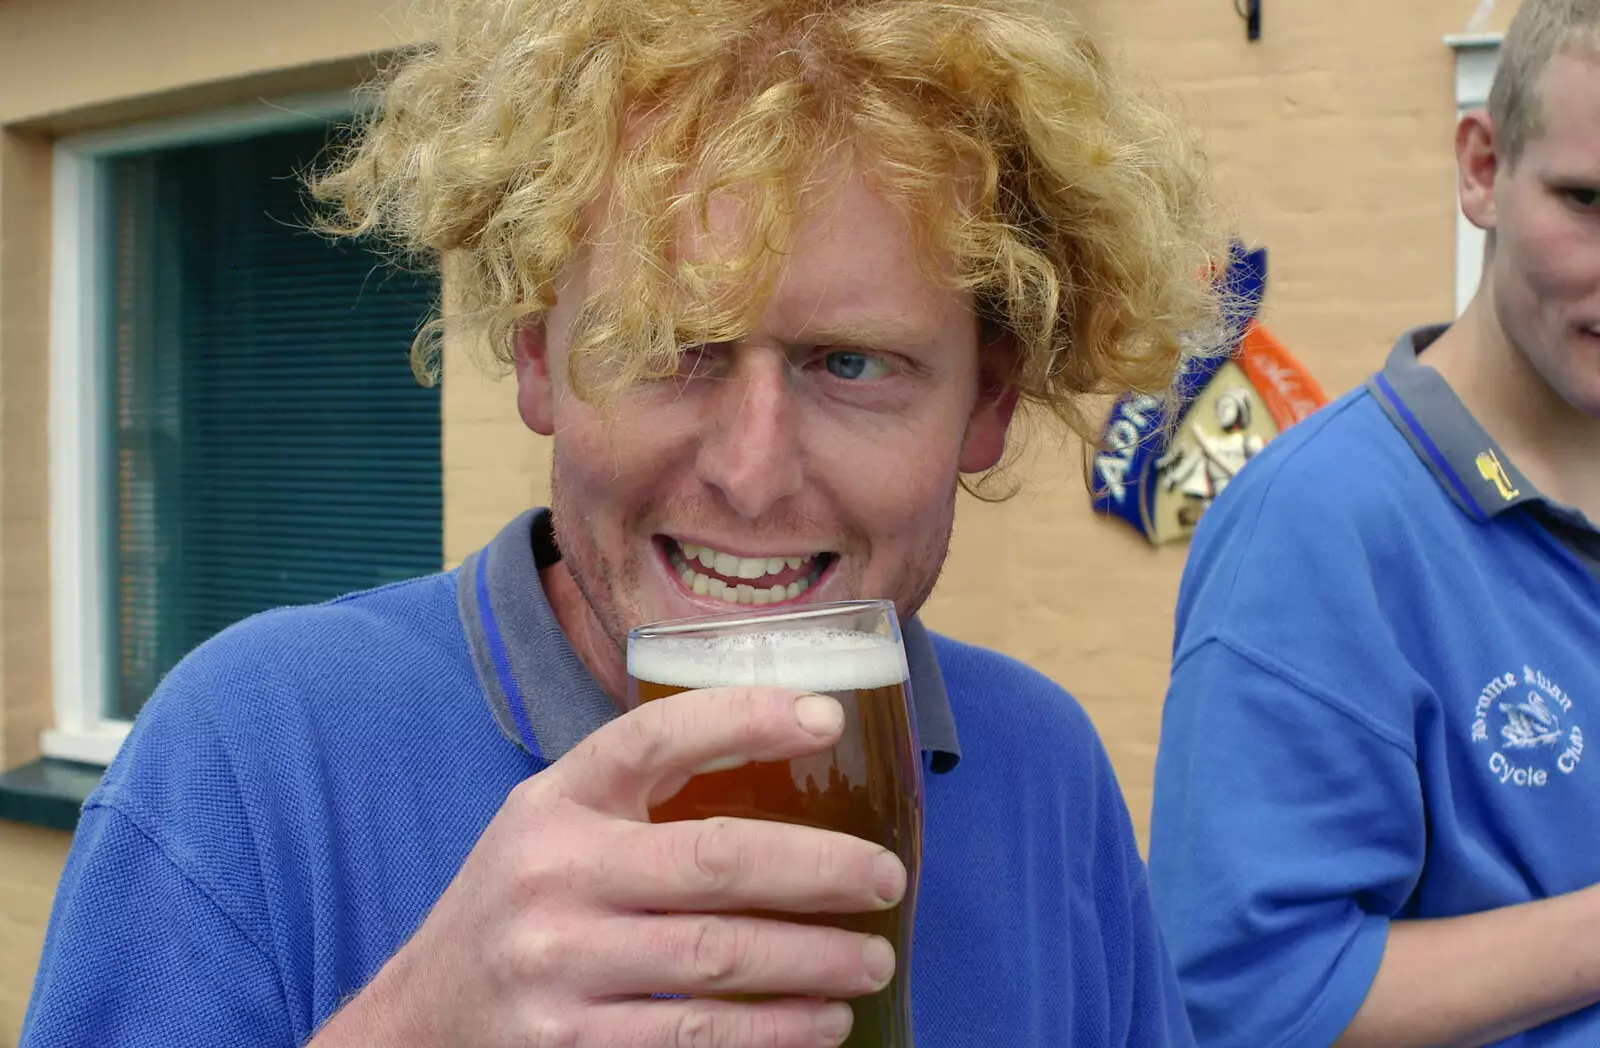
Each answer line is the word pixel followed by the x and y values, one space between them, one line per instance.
pixel 494 467
pixel 24 493
pixel 30 864
pixel 1332 140
pixel 30 859
pixel 67 65
pixel 72 62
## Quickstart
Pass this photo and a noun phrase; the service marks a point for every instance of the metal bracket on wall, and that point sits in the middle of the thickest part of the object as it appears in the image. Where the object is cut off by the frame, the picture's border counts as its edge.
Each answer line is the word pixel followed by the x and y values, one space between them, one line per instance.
pixel 1250 11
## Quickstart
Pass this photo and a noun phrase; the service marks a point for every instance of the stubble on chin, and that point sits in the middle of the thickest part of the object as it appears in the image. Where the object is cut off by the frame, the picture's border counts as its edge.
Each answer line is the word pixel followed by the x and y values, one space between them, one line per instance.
pixel 592 573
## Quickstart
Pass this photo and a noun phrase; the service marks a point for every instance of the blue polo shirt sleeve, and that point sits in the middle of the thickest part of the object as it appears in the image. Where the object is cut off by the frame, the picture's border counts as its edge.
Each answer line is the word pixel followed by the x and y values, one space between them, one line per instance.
pixel 1157 1018
pixel 140 955
pixel 160 934
pixel 1288 827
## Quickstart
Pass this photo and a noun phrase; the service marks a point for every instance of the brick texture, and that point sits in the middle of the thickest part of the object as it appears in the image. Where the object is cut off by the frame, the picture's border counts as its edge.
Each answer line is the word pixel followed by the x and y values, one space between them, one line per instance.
pixel 30 864
pixel 1331 138
pixel 1332 143
pixel 24 489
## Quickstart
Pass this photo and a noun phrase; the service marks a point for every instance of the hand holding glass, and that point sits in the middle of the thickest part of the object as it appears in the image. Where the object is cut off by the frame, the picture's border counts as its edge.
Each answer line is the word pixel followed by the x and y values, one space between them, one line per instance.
pixel 869 784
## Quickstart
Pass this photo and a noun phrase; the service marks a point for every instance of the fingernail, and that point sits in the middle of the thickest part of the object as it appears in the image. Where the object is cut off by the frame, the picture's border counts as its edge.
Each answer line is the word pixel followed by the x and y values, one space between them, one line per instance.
pixel 819 714
pixel 834 1022
pixel 877 956
pixel 889 877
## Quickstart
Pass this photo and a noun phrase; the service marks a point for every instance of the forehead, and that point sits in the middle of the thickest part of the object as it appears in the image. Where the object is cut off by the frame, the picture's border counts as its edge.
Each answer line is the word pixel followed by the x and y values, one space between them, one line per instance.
pixel 1569 138
pixel 854 252
pixel 843 256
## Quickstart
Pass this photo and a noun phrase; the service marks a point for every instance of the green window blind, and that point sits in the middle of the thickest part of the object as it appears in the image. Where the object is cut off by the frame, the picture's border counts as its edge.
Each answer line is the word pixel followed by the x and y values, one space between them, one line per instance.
pixel 271 444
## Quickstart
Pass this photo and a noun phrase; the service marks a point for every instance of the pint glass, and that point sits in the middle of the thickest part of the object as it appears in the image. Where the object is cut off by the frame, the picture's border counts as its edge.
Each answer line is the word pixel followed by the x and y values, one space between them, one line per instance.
pixel 869 784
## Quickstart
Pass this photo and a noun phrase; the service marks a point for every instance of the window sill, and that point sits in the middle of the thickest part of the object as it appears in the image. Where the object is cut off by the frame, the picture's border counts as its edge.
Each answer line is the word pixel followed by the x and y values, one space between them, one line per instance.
pixel 97 744
pixel 47 792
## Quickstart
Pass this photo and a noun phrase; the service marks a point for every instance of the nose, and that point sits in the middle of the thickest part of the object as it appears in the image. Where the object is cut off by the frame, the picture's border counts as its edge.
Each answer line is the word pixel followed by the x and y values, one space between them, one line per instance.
pixel 751 451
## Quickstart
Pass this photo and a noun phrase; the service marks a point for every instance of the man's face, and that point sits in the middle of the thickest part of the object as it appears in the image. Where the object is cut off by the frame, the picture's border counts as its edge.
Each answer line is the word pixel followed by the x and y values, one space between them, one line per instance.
pixel 1546 221
pixel 815 459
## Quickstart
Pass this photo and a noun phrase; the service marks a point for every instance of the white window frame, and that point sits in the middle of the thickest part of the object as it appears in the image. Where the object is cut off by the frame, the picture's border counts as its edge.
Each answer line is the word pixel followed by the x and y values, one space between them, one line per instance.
pixel 1477 54
pixel 81 505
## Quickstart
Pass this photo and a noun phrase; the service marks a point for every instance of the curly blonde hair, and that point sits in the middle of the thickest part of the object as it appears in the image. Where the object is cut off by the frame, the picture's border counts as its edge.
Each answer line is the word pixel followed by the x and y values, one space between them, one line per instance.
pixel 1074 210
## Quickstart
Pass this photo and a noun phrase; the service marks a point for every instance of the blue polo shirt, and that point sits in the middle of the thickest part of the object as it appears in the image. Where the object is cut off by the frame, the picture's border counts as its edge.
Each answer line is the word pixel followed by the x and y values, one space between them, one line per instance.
pixel 1385 705
pixel 302 788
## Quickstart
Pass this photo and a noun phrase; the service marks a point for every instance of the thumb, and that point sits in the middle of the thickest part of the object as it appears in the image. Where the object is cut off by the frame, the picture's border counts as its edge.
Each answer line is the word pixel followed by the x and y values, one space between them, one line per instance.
pixel 647 754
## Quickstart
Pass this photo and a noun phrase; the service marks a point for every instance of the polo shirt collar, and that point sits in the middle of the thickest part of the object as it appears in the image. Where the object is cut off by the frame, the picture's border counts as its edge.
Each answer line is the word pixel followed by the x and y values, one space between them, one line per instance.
pixel 1471 467
pixel 543 697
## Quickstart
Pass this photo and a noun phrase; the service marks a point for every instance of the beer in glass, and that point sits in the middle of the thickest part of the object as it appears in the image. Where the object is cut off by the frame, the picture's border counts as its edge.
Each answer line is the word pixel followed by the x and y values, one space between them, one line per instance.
pixel 869 784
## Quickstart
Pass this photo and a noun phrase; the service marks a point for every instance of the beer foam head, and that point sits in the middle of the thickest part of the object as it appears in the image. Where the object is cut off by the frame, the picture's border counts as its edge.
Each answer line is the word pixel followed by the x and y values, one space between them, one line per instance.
pixel 812 660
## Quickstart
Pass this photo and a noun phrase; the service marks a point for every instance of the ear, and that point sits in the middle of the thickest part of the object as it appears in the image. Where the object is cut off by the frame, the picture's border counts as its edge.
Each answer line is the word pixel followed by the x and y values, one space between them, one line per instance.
pixel 985 441
pixel 1477 165
pixel 535 394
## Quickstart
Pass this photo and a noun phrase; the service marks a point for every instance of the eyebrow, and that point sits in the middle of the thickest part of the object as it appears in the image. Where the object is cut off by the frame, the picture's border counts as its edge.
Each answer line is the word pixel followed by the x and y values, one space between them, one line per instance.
pixel 871 332
pixel 1569 179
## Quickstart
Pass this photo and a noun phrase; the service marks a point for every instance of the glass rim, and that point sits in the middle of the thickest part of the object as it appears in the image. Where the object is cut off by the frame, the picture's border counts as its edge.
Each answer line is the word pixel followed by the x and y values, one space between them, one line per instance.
pixel 756 617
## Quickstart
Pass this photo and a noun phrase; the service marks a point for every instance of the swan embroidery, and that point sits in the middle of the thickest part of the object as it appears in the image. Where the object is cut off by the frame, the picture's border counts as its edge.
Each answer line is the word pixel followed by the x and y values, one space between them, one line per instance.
pixel 1530 723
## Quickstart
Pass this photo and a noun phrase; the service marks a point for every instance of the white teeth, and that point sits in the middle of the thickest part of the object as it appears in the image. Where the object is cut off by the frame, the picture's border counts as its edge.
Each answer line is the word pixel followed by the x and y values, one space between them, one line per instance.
pixel 688 556
pixel 706 586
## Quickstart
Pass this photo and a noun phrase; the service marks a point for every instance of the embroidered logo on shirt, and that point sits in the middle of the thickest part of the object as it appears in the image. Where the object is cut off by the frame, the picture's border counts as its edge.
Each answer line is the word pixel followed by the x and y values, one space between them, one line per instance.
pixel 1492 470
pixel 1534 731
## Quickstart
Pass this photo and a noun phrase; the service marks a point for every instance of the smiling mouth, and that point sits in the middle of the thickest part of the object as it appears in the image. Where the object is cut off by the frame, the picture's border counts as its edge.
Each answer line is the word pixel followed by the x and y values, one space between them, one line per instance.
pixel 733 579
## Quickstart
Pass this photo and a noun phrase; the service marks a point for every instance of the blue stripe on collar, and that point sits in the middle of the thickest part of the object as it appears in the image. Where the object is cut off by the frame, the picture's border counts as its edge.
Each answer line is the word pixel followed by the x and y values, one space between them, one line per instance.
pixel 1436 458
pixel 497 655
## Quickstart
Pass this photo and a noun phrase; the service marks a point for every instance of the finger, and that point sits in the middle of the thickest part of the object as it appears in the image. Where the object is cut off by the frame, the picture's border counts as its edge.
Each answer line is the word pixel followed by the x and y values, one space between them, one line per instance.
pixel 707 1023
pixel 618 768
pixel 714 955
pixel 709 865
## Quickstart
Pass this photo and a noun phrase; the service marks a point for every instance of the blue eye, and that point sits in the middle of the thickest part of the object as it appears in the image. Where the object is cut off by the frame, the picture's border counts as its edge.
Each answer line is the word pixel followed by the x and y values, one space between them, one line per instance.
pixel 854 366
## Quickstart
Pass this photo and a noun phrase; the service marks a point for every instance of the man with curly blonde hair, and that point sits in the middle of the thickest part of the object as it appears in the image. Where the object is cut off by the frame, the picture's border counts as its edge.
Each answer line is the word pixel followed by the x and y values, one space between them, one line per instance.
pixel 775 274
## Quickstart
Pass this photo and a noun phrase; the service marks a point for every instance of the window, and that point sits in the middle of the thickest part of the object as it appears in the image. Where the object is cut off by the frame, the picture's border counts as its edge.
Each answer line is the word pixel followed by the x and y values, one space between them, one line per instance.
pixel 234 422
pixel 1476 57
